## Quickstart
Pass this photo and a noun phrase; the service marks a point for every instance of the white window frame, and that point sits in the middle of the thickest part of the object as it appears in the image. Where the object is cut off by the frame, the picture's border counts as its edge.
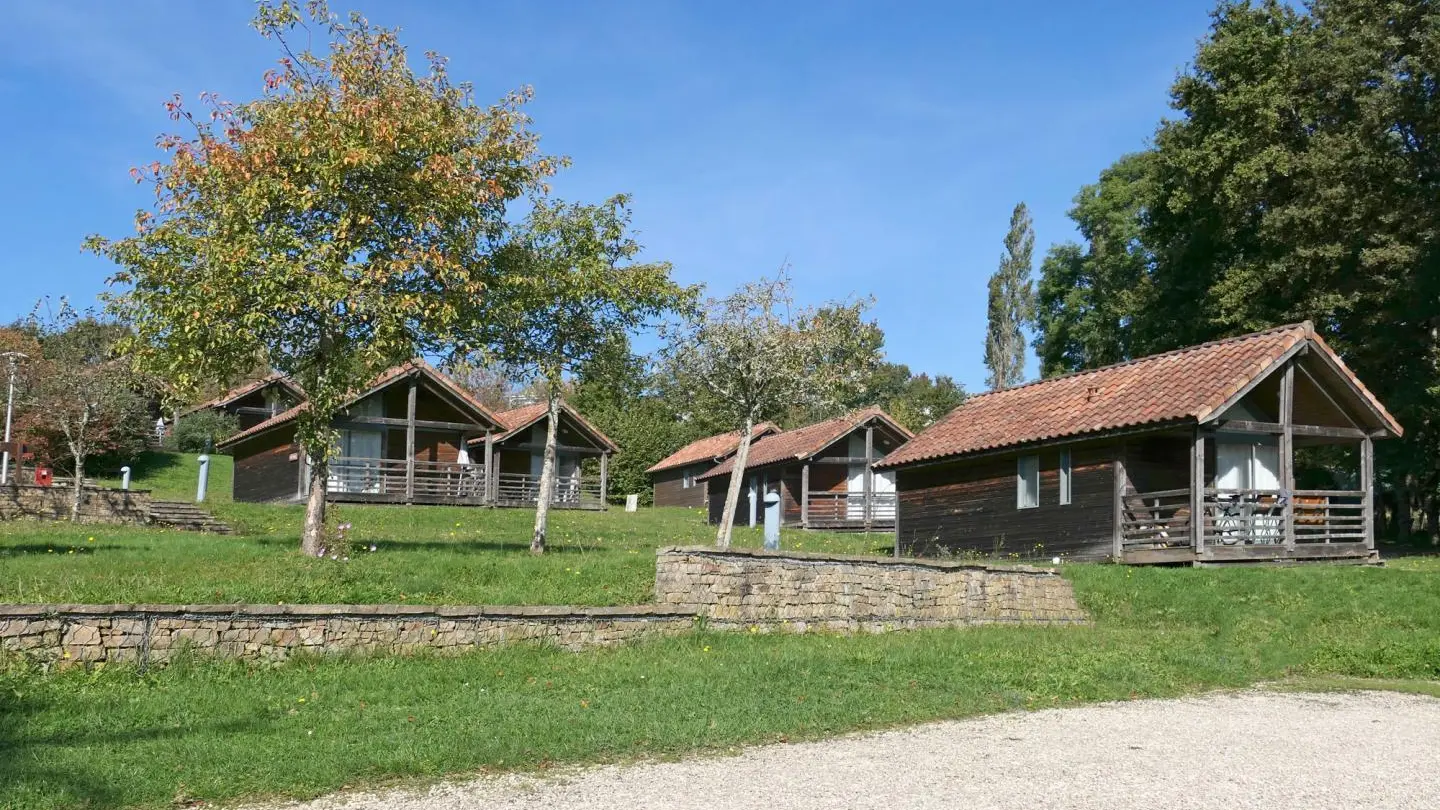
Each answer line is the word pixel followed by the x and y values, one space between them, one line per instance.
pixel 1066 477
pixel 687 478
pixel 1027 469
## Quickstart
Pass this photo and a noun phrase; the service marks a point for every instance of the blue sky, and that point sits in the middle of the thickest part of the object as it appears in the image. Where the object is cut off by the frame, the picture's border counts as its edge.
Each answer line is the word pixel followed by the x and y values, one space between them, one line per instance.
pixel 876 148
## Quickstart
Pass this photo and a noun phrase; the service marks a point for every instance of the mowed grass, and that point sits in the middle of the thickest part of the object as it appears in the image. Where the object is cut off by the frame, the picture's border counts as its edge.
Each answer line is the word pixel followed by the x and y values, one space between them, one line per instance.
pixel 174 476
pixel 218 731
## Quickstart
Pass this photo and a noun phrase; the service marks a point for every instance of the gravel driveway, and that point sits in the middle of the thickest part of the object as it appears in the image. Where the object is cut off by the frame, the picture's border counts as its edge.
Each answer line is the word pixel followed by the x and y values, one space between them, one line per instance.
pixel 1248 750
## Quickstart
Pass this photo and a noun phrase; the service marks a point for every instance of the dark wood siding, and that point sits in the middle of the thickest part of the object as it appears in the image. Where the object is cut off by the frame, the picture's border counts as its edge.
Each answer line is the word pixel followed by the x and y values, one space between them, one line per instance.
pixel 970 507
pixel 267 468
pixel 670 489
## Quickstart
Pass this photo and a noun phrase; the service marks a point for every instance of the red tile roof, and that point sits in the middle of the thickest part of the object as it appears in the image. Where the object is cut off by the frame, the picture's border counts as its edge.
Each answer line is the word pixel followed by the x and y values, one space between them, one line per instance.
pixel 1185 385
pixel 804 442
pixel 710 448
pixel 241 391
pixel 517 419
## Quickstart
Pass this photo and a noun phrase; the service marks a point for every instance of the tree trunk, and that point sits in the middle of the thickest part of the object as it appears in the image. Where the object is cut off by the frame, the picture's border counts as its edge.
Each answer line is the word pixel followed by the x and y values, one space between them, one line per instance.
pixel 547 475
pixel 79 488
pixel 737 480
pixel 312 538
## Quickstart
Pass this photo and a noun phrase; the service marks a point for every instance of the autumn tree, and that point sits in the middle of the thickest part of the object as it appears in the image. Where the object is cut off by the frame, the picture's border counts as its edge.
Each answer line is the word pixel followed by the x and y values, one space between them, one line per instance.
pixel 1011 304
pixel 337 225
pixel 754 355
pixel 569 288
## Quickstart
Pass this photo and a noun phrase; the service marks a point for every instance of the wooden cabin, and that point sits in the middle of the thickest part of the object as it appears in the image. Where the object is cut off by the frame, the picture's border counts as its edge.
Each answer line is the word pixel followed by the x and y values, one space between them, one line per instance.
pixel 825 474
pixel 254 402
pixel 675 478
pixel 1118 462
pixel 518 453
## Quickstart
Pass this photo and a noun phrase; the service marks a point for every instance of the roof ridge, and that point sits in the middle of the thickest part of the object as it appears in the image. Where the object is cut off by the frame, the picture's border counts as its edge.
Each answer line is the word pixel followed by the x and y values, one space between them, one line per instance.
pixel 1306 326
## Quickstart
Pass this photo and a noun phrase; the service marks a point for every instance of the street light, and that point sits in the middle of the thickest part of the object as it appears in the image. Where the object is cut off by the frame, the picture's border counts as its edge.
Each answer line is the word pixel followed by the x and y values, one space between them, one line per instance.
pixel 14 358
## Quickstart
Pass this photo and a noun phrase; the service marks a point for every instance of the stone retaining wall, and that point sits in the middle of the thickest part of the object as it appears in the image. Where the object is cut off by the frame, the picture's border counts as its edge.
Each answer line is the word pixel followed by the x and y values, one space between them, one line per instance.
pixel 97 505
pixel 804 591
pixel 151 633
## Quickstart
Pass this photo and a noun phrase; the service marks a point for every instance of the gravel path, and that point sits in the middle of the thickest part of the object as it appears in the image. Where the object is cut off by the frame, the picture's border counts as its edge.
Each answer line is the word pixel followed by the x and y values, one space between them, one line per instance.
pixel 1249 750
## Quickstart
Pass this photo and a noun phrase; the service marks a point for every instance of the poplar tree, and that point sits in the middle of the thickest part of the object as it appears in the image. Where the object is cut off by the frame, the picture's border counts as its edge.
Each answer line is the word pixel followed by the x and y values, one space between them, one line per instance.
pixel 1011 305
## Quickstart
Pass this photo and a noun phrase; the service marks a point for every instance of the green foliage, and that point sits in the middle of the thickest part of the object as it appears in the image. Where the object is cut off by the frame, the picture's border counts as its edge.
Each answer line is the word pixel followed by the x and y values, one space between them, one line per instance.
pixel 201 430
pixel 1011 304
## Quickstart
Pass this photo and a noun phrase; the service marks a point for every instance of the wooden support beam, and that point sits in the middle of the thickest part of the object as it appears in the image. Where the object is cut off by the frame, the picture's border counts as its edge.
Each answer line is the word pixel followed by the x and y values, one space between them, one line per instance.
pixel 805 495
pixel 844 459
pixel 410 439
pixel 604 479
pixel 489 467
pixel 1367 486
pixel 1278 428
pixel 869 475
pixel 1197 492
pixel 390 421
pixel 1117 549
pixel 559 448
pixel 1287 450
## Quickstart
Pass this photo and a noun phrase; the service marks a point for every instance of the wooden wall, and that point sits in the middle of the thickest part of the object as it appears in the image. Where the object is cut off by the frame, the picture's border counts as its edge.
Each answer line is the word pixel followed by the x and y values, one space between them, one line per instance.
pixel 264 470
pixel 670 490
pixel 969 506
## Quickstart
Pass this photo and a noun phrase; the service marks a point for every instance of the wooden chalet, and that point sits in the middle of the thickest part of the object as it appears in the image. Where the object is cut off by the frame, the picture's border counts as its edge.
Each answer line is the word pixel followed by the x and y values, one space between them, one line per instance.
pixel 1201 455
pixel 254 402
pixel 518 453
pixel 404 439
pixel 825 474
pixel 675 477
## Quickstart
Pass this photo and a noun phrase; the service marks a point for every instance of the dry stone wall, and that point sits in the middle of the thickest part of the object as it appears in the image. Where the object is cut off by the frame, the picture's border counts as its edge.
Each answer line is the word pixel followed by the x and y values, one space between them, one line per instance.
pixel 799 592
pixel 68 634
pixel 53 503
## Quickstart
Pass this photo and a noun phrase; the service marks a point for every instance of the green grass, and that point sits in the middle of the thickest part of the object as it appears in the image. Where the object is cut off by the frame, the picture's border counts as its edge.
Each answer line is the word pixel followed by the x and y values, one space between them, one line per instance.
pixel 222 730
pixel 173 476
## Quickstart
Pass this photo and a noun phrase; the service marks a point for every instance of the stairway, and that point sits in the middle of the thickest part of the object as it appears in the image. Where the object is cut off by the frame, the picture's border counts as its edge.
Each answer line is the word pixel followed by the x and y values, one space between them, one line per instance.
pixel 187 517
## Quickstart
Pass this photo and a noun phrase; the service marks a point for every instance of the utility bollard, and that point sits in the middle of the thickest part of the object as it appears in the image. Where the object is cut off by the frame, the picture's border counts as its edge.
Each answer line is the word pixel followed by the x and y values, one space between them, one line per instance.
pixel 204 479
pixel 632 503
pixel 772 521
pixel 124 477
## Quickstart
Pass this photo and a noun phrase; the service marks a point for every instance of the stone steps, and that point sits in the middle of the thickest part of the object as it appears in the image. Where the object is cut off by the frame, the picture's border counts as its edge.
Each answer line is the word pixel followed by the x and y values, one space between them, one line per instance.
pixel 187 517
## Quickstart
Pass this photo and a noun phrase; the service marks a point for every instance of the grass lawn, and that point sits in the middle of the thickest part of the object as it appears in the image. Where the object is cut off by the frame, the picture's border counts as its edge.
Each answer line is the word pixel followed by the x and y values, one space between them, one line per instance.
pixel 173 476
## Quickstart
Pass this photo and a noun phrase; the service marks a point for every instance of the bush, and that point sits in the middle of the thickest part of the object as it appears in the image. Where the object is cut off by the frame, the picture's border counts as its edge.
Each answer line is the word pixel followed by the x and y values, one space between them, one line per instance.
pixel 200 431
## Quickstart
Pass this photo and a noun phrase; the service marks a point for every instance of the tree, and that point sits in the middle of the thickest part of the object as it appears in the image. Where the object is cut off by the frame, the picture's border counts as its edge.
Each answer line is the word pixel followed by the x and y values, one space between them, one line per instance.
pixel 922 400
pixel 570 290
pixel 338 225
pixel 77 398
pixel 754 355
pixel 1011 304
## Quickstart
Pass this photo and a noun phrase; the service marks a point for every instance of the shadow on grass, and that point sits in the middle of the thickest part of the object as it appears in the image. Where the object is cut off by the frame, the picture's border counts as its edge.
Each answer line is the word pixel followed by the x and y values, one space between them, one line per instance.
pixel 392 546
pixel 148 464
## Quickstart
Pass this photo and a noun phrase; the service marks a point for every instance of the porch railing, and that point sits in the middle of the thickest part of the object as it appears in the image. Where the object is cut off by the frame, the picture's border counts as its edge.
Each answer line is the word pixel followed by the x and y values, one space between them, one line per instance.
pixel 433 479
pixel 849 508
pixel 1159 519
pixel 1235 517
pixel 574 490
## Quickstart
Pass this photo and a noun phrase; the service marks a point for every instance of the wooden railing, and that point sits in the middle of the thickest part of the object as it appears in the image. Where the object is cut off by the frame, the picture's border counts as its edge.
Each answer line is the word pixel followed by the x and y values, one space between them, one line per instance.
pixel 832 508
pixel 1158 519
pixel 1329 516
pixel 433 479
pixel 1243 517
pixel 573 491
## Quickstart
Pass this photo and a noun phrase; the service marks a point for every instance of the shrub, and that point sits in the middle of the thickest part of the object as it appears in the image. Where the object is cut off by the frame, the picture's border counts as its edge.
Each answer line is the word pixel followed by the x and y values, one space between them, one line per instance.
pixel 202 430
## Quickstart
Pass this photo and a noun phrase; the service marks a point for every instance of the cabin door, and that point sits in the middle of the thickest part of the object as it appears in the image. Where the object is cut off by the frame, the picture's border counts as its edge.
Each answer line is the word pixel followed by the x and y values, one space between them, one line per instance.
pixel 358 468
pixel 855 479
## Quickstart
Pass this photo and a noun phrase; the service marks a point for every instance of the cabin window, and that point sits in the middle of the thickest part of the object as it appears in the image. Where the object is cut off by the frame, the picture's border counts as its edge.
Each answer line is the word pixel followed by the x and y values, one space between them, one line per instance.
pixel 1027 482
pixel 1247 464
pixel 1064 477
pixel 687 478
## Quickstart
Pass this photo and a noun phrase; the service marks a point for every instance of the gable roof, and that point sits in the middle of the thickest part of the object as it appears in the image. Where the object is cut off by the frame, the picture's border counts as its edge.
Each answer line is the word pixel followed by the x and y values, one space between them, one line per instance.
pixel 711 448
pixel 242 391
pixel 386 378
pixel 1189 385
pixel 517 419
pixel 804 442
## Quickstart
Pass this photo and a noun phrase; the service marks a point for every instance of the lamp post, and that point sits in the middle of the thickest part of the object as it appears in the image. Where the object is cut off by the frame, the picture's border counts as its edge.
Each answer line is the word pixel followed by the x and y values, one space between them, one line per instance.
pixel 14 358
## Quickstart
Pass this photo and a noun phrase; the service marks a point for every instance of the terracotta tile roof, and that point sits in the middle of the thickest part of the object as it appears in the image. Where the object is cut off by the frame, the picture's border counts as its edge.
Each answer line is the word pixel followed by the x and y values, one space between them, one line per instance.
pixel 517 419
pixel 804 442
pixel 241 391
pixel 710 448
pixel 1185 385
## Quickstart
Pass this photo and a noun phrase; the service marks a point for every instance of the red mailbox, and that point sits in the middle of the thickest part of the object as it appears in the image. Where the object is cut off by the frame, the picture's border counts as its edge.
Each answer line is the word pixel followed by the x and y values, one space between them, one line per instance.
pixel 44 476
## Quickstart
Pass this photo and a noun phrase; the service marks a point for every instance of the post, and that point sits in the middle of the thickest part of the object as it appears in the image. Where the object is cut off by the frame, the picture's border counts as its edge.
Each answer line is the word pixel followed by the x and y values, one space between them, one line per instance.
pixel 604 479
pixel 14 358
pixel 410 438
pixel 1197 493
pixel 772 520
pixel 489 467
pixel 204 481
pixel 125 477
pixel 1287 453
pixel 869 476
pixel 301 477
pixel 1367 486
pixel 805 495
pixel 1117 550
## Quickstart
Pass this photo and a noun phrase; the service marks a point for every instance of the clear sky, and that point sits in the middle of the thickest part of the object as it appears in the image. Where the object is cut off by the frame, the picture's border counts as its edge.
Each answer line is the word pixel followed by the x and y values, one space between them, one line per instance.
pixel 878 148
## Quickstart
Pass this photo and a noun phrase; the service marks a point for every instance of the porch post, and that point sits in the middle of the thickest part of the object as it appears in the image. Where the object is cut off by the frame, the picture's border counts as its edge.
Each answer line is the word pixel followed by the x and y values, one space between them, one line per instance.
pixel 489 467
pixel 1287 451
pixel 869 472
pixel 604 478
pixel 805 495
pixel 410 440
pixel 1197 493
pixel 1367 486
pixel 1117 550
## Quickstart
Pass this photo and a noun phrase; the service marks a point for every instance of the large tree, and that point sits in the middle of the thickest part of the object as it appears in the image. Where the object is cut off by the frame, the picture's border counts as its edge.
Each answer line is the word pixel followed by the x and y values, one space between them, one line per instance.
pixel 570 289
pixel 337 225
pixel 755 355
pixel 1011 304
